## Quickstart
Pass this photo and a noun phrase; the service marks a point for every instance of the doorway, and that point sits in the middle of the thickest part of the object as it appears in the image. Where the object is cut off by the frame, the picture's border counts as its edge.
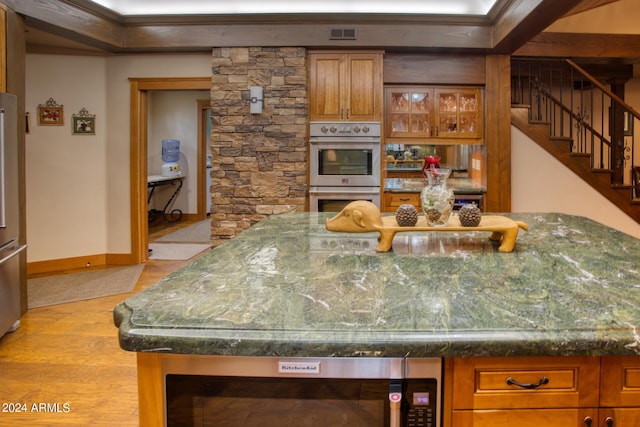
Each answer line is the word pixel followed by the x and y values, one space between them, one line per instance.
pixel 139 90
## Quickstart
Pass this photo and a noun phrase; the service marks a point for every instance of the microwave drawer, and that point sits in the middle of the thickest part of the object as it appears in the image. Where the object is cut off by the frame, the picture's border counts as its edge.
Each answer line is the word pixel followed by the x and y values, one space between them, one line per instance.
pixel 525 382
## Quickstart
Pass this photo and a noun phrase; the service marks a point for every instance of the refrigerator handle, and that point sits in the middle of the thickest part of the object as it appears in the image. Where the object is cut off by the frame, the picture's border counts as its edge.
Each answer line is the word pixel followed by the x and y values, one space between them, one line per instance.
pixel 3 217
pixel 15 251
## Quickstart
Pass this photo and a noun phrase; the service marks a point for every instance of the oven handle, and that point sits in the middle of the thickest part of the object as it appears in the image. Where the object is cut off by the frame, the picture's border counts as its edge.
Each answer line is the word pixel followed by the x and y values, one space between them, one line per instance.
pixel 395 403
pixel 345 141
pixel 344 190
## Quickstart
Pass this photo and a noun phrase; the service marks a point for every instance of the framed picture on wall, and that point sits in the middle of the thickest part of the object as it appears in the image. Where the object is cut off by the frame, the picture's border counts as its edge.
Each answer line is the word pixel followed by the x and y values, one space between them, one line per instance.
pixel 50 113
pixel 84 123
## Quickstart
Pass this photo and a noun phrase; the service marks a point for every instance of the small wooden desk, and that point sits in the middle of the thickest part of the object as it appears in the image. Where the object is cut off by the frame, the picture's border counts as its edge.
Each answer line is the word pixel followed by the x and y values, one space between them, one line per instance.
pixel 154 181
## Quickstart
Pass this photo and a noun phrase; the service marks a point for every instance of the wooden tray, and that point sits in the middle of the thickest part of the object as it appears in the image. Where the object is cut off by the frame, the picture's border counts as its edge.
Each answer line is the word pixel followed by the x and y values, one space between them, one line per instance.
pixel 364 217
pixel 502 229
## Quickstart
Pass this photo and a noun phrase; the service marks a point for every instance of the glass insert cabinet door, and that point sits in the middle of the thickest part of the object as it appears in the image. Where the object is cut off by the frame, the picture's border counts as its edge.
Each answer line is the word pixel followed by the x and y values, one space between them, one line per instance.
pixel 434 112
pixel 459 113
pixel 410 112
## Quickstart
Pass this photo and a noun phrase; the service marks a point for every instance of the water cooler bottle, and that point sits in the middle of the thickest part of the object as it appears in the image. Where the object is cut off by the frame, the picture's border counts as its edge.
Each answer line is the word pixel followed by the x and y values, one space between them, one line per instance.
pixel 170 157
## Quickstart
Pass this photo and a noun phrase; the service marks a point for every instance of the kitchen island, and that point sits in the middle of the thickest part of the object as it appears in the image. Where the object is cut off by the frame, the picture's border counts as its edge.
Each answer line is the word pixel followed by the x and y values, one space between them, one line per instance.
pixel 288 288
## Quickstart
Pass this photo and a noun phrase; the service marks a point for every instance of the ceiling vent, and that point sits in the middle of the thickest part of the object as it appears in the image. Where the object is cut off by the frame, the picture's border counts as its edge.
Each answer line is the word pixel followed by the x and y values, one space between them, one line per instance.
pixel 343 34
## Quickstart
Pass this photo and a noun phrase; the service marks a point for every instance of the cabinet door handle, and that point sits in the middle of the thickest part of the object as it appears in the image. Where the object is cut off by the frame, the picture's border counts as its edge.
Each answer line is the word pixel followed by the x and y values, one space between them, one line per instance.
pixel 542 381
pixel 608 421
pixel 588 422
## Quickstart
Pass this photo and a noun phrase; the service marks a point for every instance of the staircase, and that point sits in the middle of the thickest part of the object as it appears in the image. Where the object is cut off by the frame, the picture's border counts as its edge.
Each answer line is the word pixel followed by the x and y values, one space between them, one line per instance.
pixel 575 118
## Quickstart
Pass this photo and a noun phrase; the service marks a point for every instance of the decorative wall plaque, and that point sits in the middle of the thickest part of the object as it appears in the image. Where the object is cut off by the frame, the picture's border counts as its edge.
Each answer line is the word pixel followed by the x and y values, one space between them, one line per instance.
pixel 84 123
pixel 50 113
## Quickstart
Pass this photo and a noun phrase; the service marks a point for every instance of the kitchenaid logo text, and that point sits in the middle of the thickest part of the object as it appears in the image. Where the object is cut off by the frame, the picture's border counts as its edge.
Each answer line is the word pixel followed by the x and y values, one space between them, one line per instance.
pixel 299 367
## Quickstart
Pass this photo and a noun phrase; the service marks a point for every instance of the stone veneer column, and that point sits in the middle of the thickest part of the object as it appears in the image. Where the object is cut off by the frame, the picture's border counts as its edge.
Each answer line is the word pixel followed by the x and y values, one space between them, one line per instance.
pixel 259 160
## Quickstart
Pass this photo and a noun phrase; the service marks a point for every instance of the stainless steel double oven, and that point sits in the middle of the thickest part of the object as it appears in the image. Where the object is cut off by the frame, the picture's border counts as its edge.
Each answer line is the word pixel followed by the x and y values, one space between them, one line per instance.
pixel 344 160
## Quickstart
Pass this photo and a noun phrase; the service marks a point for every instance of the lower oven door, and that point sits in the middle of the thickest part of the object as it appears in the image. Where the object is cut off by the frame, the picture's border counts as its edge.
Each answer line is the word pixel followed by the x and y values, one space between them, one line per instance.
pixel 274 392
pixel 334 199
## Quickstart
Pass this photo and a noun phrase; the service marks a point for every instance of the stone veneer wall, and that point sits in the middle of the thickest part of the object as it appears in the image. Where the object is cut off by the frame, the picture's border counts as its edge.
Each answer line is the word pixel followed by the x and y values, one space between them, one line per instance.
pixel 259 165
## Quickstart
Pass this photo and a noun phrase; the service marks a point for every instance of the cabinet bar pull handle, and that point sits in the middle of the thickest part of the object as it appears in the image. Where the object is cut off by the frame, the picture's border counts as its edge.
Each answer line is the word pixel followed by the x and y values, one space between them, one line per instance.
pixel 588 422
pixel 542 381
pixel 608 421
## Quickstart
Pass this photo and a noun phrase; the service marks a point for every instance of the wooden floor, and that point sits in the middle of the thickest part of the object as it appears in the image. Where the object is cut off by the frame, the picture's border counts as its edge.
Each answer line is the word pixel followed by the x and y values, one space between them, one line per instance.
pixel 63 366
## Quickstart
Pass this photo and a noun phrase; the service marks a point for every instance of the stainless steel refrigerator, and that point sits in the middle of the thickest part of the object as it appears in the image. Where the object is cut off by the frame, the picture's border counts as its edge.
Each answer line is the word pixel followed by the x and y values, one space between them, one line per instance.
pixel 9 216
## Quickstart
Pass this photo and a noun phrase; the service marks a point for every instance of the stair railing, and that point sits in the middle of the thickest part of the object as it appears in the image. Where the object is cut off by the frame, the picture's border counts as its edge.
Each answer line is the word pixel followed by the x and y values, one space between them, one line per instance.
pixel 580 109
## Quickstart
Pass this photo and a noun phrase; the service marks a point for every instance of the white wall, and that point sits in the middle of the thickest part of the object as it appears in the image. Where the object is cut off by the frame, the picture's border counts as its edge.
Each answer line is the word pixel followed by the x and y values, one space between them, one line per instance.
pixel 66 175
pixel 540 183
pixel 78 186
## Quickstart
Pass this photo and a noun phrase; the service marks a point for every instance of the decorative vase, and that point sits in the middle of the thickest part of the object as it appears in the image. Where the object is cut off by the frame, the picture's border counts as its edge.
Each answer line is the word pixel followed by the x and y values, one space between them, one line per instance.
pixel 429 163
pixel 436 197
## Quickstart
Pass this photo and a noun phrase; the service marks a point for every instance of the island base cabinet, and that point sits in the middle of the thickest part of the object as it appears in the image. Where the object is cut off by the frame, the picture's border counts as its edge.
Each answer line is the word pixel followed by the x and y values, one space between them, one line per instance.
pixel 524 391
pixel 620 391
pixel 587 391
pixel 619 417
pixel 589 417
pixel 526 382
pixel 526 418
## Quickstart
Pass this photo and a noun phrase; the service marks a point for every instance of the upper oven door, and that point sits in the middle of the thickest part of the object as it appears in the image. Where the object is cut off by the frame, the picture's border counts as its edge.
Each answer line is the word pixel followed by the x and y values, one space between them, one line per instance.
pixel 344 154
pixel 344 163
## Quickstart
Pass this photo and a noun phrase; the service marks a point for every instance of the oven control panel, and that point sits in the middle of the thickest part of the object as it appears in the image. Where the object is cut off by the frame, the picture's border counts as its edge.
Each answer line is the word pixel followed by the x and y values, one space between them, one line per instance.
pixel 420 400
pixel 344 129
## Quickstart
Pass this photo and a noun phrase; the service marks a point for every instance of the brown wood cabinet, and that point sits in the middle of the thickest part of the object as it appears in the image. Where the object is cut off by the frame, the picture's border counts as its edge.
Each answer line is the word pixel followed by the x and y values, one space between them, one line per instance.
pixel 545 391
pixel 393 200
pixel 620 391
pixel 447 113
pixel 413 174
pixel 345 86
pixel 409 112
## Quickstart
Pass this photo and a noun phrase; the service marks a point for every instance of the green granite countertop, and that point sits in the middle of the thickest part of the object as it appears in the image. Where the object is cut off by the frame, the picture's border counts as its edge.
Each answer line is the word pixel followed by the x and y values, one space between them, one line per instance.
pixel 287 287
pixel 415 185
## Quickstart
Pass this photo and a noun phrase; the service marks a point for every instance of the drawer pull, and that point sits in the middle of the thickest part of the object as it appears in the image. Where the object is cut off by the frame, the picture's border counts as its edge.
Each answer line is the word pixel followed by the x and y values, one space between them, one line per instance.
pixel 543 381
pixel 588 422
pixel 609 421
